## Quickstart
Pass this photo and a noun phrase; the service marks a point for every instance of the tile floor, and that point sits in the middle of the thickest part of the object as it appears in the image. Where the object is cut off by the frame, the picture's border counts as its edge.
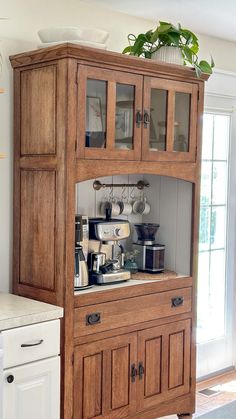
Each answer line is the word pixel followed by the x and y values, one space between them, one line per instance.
pixel 226 384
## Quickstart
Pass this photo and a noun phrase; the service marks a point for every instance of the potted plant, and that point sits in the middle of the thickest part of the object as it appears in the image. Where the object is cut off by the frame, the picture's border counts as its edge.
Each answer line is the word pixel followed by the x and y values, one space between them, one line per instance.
pixel 181 41
pixel 130 262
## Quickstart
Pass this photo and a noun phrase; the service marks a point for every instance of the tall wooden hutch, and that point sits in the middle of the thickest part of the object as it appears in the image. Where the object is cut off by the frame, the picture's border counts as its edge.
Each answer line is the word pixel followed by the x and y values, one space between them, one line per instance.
pixel 139 360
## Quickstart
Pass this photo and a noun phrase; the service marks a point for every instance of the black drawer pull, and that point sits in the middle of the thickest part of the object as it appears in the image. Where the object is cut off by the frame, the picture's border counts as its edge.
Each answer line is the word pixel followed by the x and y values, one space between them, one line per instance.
pixel 138 118
pixel 28 345
pixel 177 301
pixel 146 119
pixel 93 318
pixel 133 373
pixel 141 370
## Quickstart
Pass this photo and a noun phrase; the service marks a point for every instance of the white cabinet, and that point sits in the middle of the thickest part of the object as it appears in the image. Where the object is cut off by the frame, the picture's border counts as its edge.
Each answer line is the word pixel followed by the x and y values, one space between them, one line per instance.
pixel 31 371
pixel 32 391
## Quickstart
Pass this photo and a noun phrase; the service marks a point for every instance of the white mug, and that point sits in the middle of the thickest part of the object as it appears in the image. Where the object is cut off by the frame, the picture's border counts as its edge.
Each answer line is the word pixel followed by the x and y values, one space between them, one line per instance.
pixel 141 207
pixel 127 208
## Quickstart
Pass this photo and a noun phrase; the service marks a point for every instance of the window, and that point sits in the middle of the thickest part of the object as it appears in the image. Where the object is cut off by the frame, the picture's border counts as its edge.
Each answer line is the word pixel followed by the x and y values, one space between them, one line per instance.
pixel 213 226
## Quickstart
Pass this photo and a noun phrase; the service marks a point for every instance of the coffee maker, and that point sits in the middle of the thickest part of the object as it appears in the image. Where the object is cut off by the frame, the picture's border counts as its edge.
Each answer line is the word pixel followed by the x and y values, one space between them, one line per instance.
pixel 150 256
pixel 109 231
pixel 81 278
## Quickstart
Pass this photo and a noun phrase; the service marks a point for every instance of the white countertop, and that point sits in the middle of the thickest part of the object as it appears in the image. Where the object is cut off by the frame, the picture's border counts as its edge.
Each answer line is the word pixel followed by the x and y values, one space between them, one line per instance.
pixel 129 283
pixel 18 311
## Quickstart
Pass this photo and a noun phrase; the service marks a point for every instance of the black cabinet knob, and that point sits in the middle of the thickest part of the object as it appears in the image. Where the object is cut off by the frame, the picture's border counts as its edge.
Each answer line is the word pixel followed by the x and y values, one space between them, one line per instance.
pixel 10 379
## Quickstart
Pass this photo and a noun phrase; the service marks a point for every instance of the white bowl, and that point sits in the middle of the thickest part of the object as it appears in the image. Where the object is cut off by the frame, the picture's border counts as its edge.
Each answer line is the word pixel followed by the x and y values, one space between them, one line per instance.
pixel 74 41
pixel 59 33
pixel 94 35
pixel 67 33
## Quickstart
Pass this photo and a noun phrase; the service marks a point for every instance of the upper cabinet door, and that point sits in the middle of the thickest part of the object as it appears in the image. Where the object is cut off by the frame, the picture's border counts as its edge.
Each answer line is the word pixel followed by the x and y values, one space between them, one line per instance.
pixel 109 114
pixel 169 120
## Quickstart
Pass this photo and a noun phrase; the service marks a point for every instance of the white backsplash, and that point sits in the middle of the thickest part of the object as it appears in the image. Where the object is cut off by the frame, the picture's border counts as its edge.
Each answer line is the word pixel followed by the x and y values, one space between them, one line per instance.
pixel 171 207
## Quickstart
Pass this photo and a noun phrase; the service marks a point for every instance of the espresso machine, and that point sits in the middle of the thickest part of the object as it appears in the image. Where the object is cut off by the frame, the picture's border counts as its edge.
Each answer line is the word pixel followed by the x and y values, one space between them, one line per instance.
pixel 103 270
pixel 150 256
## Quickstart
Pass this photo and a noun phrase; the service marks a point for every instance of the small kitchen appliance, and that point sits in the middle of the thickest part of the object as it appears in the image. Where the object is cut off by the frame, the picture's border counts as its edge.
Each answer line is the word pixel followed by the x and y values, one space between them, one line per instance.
pixel 82 232
pixel 108 231
pixel 150 257
pixel 81 278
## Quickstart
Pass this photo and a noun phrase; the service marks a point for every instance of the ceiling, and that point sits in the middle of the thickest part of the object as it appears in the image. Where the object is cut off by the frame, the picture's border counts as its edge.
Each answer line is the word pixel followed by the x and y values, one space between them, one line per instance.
pixel 210 17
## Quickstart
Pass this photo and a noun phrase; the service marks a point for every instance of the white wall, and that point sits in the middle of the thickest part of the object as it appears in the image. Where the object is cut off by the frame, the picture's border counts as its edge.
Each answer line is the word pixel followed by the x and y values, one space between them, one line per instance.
pixel 19 34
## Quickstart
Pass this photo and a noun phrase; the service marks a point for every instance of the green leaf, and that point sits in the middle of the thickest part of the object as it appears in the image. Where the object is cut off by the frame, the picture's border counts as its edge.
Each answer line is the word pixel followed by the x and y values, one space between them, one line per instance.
pixel 198 71
pixel 212 62
pixel 188 54
pixel 164 23
pixel 164 28
pixel 194 48
pixel 205 67
pixel 174 38
pixel 127 50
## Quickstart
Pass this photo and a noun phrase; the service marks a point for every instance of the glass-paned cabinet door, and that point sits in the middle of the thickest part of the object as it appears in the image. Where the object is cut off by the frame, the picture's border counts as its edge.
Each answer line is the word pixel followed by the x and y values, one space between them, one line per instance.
pixel 170 120
pixel 109 114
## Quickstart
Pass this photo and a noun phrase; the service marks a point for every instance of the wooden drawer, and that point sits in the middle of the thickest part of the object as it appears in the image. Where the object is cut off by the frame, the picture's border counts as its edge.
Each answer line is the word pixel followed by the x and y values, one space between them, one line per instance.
pixel 30 343
pixel 111 315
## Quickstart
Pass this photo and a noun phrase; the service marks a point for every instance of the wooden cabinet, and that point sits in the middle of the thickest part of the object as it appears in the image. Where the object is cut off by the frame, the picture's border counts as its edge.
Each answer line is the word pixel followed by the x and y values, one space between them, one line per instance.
pixel 81 113
pixel 104 381
pixel 124 375
pixel 164 363
pixel 127 116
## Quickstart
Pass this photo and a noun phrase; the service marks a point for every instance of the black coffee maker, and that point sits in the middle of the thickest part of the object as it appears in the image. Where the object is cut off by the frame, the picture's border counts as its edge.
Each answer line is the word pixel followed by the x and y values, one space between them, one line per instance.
pixel 150 256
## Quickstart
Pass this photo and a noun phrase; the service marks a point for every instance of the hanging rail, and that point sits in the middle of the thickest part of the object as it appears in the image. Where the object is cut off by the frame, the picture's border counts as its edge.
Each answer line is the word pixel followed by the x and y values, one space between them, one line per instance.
pixel 141 184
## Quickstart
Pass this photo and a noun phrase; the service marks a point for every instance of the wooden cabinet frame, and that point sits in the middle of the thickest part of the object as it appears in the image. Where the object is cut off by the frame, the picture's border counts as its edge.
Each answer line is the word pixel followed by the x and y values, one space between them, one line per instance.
pixel 63 161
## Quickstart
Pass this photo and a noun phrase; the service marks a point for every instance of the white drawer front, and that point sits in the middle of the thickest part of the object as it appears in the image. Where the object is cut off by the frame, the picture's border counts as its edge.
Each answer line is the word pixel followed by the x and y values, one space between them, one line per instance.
pixel 31 343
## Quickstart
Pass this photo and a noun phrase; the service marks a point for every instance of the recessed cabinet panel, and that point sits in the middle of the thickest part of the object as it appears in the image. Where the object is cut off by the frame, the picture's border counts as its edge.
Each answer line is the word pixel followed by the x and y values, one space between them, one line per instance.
pixel 38 111
pixel 182 121
pixel 153 364
pixel 92 386
pixel 96 114
pixel 37 228
pixel 176 351
pixel 120 369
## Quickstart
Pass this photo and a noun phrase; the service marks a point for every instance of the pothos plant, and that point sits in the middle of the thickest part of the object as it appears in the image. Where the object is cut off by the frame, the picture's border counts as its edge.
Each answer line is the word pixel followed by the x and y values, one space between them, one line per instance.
pixel 166 34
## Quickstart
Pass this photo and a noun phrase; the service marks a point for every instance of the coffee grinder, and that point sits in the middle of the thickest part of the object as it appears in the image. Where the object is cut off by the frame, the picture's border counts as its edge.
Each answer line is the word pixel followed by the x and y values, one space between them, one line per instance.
pixel 150 257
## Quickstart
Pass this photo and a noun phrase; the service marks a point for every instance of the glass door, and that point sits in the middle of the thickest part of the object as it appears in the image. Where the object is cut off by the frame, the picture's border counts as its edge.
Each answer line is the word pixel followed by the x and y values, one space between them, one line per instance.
pixel 109 114
pixel 169 122
pixel 214 328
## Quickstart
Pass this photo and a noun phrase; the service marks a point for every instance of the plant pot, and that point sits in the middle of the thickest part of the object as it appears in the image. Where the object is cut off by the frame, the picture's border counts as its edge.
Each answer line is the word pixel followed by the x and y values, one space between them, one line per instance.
pixel 131 266
pixel 169 55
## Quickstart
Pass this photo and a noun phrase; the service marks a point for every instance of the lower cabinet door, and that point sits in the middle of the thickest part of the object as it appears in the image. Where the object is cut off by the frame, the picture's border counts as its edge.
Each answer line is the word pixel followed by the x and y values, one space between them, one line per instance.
pixel 105 378
pixel 32 391
pixel 163 363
